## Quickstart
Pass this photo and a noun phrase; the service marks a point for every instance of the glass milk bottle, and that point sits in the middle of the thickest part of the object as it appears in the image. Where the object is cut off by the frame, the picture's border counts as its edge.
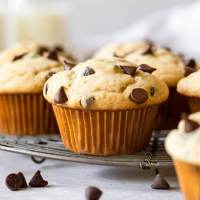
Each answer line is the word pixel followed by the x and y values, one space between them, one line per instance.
pixel 44 21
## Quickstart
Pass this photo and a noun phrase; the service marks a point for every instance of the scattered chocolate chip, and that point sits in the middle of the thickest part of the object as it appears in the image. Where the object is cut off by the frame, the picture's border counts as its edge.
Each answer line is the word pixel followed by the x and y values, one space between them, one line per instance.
pixel 88 71
pixel 152 91
pixel 42 50
pixel 18 57
pixel 146 68
pixel 190 63
pixel 190 125
pixel 139 95
pixel 148 50
pixel 37 180
pixel 68 65
pixel 52 55
pixel 167 48
pixel 189 70
pixel 46 88
pixel 49 75
pixel 60 96
pixel 87 102
pixel 58 48
pixel 13 182
pixel 160 183
pixel 129 70
pixel 24 183
pixel 93 193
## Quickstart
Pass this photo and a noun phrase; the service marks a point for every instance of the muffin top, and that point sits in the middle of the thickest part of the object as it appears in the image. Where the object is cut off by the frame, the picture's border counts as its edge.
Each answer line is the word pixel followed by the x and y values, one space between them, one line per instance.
pixel 184 143
pixel 26 67
pixel 171 67
pixel 190 85
pixel 101 84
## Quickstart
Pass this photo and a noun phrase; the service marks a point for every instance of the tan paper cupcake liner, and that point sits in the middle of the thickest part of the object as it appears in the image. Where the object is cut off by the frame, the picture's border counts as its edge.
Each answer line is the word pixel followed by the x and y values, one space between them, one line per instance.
pixel 189 179
pixel 105 132
pixel 26 114
pixel 194 104
pixel 169 112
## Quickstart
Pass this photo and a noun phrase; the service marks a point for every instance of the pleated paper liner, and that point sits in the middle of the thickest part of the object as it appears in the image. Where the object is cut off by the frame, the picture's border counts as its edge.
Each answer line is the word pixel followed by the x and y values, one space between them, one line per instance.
pixel 26 114
pixel 189 179
pixel 194 103
pixel 169 112
pixel 105 132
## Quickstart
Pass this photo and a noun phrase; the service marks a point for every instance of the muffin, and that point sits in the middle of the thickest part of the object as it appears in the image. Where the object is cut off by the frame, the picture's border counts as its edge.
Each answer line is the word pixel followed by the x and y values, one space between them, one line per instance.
pixel 190 88
pixel 183 144
pixel 170 67
pixel 105 106
pixel 22 76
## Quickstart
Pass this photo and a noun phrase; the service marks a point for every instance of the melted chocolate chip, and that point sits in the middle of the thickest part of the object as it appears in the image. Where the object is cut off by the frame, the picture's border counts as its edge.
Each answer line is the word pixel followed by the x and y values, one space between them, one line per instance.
pixel 18 57
pixel 37 180
pixel 148 50
pixel 88 71
pixel 190 63
pixel 13 182
pixel 129 70
pixel 68 65
pixel 42 50
pixel 89 101
pixel 23 180
pixel 152 91
pixel 93 193
pixel 138 95
pixel 49 75
pixel 189 70
pixel 53 55
pixel 60 96
pixel 190 125
pixel 146 68
pixel 160 183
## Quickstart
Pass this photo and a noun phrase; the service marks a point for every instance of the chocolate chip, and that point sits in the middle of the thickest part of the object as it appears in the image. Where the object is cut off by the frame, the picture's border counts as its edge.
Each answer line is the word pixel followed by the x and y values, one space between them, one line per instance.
pixel 60 96
pixel 87 102
pixel 46 88
pixel 146 68
pixel 138 95
pixel 93 193
pixel 50 74
pixel 37 180
pixel 68 65
pixel 53 55
pixel 152 91
pixel 18 57
pixel 13 182
pixel 190 63
pixel 24 183
pixel 129 70
pixel 160 183
pixel 167 48
pixel 88 71
pixel 148 50
pixel 189 70
pixel 42 50
pixel 190 125
pixel 58 48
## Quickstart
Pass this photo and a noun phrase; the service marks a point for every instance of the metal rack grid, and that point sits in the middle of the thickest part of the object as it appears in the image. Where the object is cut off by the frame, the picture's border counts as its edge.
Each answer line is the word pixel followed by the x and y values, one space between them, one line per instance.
pixel 51 147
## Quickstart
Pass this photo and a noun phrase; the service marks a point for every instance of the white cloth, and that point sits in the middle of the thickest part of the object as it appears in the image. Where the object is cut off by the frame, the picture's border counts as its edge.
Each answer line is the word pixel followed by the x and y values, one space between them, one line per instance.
pixel 69 180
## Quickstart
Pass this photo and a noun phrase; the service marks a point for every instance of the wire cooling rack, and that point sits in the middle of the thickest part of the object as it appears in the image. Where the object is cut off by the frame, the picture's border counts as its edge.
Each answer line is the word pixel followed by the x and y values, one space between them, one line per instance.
pixel 51 147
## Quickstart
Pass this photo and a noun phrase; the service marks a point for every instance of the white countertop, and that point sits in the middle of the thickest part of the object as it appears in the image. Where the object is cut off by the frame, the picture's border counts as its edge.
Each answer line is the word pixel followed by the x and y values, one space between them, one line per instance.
pixel 67 181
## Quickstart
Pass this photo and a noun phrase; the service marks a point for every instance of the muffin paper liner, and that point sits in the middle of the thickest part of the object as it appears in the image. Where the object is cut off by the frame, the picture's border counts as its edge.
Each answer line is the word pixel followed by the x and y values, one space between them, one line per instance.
pixel 189 179
pixel 169 112
pixel 26 114
pixel 194 103
pixel 105 132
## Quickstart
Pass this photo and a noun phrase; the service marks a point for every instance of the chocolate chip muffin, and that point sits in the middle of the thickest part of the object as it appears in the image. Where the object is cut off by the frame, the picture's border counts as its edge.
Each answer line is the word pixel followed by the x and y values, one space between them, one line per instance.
pixel 183 144
pixel 190 88
pixel 23 73
pixel 105 106
pixel 170 67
